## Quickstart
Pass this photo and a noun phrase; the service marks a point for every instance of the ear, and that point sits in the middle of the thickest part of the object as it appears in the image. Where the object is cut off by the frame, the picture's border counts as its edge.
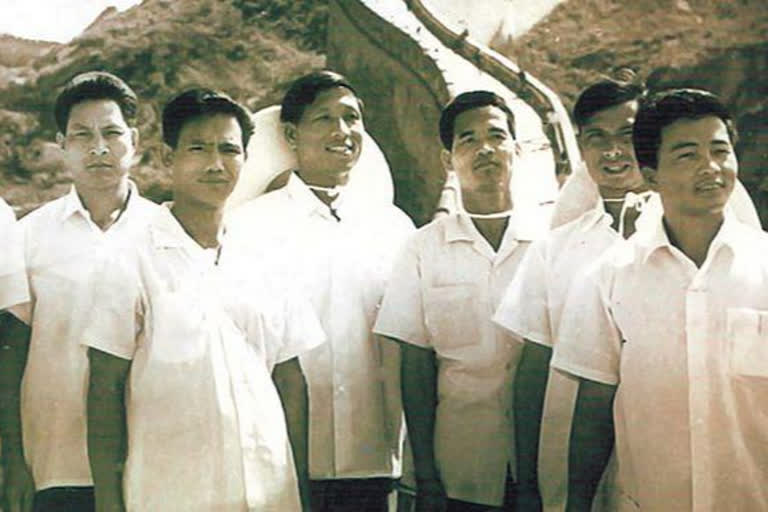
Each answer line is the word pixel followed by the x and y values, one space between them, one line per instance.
pixel 445 158
pixel 135 138
pixel 289 132
pixel 61 140
pixel 167 155
pixel 651 178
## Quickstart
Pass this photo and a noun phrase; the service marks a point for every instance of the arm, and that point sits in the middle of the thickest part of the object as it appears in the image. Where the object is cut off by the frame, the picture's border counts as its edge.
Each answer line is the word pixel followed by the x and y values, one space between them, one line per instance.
pixel 591 442
pixel 292 388
pixel 419 390
pixel 107 432
pixel 529 388
pixel 14 346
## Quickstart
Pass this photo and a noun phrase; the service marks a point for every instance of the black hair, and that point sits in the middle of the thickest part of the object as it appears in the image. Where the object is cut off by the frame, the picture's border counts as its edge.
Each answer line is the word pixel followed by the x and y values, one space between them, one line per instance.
pixel 94 85
pixel 603 95
pixel 664 108
pixel 198 102
pixel 469 101
pixel 304 91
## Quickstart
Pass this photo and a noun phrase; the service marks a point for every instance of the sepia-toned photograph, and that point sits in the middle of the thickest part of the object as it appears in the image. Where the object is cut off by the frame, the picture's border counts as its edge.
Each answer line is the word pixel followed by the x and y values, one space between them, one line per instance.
pixel 383 255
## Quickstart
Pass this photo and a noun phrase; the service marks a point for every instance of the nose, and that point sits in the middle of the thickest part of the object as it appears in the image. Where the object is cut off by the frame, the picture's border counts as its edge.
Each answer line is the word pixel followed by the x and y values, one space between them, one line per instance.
pixel 485 148
pixel 711 165
pixel 100 147
pixel 341 127
pixel 215 163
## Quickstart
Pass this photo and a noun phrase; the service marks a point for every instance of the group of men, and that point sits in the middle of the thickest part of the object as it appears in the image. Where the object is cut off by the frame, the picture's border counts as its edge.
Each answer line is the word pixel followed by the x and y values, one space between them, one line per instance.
pixel 187 357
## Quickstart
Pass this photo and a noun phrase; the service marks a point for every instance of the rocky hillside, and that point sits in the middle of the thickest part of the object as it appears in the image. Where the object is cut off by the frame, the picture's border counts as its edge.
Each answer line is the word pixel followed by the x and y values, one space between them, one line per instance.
pixel 250 49
pixel 719 45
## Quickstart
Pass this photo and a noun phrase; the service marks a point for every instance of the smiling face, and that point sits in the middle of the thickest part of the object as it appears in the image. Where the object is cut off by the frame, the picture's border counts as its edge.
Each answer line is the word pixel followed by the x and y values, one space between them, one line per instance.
pixel 328 138
pixel 697 167
pixel 207 160
pixel 98 145
pixel 482 156
pixel 605 140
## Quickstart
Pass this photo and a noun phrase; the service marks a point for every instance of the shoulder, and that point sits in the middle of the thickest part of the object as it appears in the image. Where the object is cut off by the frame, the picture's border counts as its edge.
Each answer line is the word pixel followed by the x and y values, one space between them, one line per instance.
pixel 42 215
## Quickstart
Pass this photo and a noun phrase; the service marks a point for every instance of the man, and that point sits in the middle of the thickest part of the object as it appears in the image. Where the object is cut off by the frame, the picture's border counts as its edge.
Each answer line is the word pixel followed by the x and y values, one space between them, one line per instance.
pixel 42 417
pixel 604 114
pixel 338 249
pixel 176 324
pixel 457 370
pixel 671 324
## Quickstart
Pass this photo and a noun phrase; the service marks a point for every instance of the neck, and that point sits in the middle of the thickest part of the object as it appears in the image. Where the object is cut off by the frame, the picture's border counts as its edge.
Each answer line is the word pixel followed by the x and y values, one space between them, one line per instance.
pixel 201 222
pixel 487 203
pixel 693 235
pixel 104 205
pixel 492 230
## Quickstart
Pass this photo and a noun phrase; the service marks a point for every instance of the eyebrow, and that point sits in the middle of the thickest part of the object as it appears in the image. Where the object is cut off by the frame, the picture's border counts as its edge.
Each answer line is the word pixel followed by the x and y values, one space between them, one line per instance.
pixel 683 145
pixel 465 133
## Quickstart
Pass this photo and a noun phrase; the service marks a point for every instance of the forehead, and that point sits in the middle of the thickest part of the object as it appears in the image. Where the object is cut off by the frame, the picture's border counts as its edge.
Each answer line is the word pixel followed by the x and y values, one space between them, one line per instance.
pixel 333 97
pixel 612 117
pixel 702 130
pixel 212 127
pixel 89 111
pixel 480 118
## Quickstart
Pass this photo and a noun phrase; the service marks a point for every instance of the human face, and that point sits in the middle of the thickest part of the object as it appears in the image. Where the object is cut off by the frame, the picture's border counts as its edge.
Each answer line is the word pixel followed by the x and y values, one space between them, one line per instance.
pixel 207 160
pixel 328 138
pixel 697 167
pixel 482 156
pixel 98 145
pixel 606 147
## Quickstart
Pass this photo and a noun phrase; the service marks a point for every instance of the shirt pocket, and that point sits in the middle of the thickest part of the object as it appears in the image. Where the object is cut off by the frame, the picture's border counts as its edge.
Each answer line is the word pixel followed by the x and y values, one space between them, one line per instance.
pixel 747 338
pixel 451 316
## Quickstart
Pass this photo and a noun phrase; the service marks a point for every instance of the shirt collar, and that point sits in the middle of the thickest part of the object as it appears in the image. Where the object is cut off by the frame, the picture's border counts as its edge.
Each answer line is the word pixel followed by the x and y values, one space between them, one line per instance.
pixel 73 204
pixel 168 233
pixel 652 240
pixel 596 215
pixel 459 228
pixel 298 191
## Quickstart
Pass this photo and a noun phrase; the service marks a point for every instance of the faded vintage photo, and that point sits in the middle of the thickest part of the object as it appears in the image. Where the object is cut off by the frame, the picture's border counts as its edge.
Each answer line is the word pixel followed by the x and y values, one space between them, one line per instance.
pixel 383 255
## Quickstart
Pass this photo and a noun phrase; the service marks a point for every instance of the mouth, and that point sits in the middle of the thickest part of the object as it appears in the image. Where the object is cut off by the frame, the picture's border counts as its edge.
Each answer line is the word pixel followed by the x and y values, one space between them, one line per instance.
pixel 616 168
pixel 99 165
pixel 214 182
pixel 344 150
pixel 709 185
pixel 485 165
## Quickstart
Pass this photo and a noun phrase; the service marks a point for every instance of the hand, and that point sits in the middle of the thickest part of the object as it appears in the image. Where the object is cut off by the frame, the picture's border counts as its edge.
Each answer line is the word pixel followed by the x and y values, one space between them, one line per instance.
pixel 19 485
pixel 430 496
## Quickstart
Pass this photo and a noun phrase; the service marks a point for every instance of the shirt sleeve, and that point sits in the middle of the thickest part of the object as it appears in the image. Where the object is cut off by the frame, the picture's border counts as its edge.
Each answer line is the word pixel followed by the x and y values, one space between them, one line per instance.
pixel 589 342
pixel 116 307
pixel 14 285
pixel 301 331
pixel 401 315
pixel 524 309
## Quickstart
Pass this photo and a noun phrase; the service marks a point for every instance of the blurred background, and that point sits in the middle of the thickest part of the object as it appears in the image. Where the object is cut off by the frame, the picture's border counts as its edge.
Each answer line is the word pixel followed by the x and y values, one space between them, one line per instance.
pixel 252 49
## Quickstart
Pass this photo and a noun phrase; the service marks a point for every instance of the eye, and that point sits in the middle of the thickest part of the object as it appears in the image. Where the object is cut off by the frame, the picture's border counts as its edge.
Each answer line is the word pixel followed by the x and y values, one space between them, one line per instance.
pixel 722 151
pixel 114 133
pixel 195 148
pixel 80 134
pixel 231 150
pixel 352 116
pixel 688 155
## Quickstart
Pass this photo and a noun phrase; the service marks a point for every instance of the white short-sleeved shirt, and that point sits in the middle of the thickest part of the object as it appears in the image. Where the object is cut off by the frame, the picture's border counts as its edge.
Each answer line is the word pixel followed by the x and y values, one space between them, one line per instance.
pixel 61 244
pixel 688 349
pixel 14 288
pixel 342 266
pixel 442 295
pixel 206 428
pixel 531 309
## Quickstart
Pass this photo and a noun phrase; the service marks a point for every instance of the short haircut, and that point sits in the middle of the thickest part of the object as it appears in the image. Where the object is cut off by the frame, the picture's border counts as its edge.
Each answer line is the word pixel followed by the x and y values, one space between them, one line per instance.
pixel 94 85
pixel 195 103
pixel 664 108
pixel 469 101
pixel 304 91
pixel 603 95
